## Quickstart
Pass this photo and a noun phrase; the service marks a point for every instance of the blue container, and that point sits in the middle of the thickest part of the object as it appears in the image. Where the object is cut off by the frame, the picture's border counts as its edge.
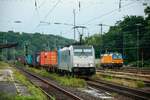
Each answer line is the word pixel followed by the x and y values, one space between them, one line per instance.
pixel 59 56
pixel 29 59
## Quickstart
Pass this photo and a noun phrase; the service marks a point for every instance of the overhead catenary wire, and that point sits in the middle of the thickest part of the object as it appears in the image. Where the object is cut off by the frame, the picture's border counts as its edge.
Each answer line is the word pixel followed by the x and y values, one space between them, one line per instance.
pixel 39 24
pixel 35 4
pixel 129 48
pixel 50 11
pixel 79 5
pixel 95 18
pixel 35 10
pixel 40 5
pixel 119 5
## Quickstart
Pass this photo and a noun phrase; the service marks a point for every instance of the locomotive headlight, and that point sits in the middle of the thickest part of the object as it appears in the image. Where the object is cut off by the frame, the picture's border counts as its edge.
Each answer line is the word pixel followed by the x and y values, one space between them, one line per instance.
pixel 75 65
pixel 91 65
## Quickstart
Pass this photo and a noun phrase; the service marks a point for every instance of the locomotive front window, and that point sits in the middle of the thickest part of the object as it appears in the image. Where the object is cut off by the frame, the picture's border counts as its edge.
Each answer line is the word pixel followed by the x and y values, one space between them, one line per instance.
pixel 82 52
pixel 117 56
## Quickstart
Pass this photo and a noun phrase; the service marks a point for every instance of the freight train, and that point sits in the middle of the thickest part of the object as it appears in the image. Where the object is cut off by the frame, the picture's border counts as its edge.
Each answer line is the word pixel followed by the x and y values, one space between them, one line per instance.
pixel 75 59
pixel 111 60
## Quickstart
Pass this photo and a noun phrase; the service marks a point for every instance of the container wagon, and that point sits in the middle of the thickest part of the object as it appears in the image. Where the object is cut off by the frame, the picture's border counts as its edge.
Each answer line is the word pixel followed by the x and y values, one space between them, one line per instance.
pixel 21 59
pixel 48 60
pixel 35 59
pixel 29 60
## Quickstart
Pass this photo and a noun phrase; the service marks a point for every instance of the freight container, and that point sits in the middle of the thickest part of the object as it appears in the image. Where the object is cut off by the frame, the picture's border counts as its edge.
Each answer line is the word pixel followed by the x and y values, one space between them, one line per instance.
pixel 29 59
pixel 35 61
pixel 21 59
pixel 48 58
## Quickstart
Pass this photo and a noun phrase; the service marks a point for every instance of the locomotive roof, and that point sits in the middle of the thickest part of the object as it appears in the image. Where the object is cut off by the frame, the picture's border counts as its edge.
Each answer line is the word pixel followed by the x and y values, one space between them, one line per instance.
pixel 110 54
pixel 76 46
pixel 81 45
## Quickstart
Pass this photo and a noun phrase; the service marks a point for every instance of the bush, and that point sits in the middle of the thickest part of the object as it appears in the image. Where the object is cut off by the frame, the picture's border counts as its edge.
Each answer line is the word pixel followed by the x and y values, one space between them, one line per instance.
pixel 3 64
pixel 140 84
pixel 63 80
pixel 36 94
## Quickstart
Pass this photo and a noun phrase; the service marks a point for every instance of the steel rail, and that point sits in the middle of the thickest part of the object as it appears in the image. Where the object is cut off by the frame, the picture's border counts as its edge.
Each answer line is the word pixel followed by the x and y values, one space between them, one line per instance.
pixel 134 93
pixel 75 97
pixel 134 70
pixel 147 82
pixel 124 73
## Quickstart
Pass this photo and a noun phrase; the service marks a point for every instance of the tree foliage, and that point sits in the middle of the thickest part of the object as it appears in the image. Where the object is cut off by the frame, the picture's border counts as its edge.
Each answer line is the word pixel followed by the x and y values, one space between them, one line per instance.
pixel 123 38
pixel 36 42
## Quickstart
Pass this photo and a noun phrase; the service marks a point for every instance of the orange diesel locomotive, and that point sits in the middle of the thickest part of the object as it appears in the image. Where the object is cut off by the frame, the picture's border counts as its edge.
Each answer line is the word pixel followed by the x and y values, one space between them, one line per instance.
pixel 111 60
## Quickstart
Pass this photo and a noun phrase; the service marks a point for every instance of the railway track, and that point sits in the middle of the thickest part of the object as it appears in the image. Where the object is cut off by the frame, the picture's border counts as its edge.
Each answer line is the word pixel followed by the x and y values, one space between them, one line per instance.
pixel 131 70
pixel 62 94
pixel 134 70
pixel 49 89
pixel 127 76
pixel 133 93
pixel 125 73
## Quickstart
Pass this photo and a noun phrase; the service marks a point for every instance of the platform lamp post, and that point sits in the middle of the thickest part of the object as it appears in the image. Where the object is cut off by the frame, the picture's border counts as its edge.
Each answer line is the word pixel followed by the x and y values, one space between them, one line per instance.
pixel 14 49
pixel 17 22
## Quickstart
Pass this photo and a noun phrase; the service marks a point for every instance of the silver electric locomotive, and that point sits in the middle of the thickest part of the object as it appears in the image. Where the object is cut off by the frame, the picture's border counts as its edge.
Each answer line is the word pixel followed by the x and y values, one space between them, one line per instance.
pixel 77 59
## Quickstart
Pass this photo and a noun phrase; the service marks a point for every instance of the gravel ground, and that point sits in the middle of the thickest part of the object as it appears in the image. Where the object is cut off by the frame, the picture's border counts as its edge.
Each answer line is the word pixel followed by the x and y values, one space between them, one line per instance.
pixel 121 97
pixel 146 89
pixel 76 91
pixel 7 87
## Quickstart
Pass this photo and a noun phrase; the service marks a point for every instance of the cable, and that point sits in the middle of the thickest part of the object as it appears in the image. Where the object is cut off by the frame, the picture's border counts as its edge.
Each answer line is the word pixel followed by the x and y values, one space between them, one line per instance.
pixel 110 48
pixel 108 13
pixel 41 4
pixel 119 5
pixel 36 10
pixel 50 11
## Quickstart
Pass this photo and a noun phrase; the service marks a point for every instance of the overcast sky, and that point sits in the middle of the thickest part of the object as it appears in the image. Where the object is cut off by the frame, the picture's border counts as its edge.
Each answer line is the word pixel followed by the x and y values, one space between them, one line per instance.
pixel 91 13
